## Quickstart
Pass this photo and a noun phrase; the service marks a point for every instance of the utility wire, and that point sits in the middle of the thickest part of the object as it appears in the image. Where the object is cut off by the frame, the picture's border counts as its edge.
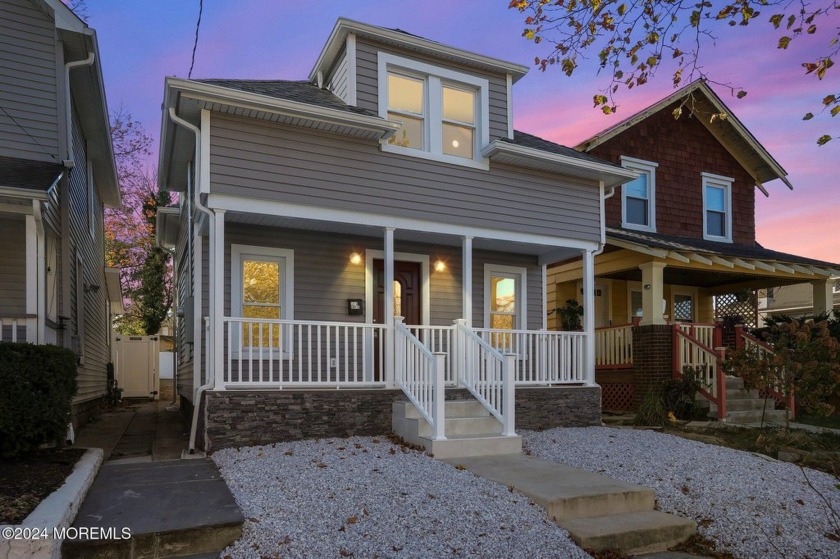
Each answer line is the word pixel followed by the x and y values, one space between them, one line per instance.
pixel 25 131
pixel 195 43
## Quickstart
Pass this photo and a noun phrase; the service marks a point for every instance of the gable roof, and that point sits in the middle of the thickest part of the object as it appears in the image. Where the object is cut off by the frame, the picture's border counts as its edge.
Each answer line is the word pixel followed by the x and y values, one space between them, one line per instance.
pixel 731 133
pixel 343 27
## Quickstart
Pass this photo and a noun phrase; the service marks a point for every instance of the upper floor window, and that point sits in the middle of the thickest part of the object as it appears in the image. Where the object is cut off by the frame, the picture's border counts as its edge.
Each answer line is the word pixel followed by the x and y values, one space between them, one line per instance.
pixel 638 197
pixel 444 113
pixel 717 207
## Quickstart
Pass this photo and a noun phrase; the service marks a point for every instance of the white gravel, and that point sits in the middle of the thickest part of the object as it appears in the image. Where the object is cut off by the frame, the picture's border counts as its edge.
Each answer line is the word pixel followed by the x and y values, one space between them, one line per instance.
pixel 362 497
pixel 750 505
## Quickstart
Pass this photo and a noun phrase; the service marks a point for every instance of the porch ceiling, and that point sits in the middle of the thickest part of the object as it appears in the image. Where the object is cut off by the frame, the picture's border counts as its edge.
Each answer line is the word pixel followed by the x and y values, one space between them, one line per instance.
pixel 709 279
pixel 405 235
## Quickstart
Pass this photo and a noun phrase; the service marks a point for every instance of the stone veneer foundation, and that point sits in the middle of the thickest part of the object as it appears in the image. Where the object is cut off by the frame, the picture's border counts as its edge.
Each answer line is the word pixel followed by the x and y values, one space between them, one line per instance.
pixel 246 418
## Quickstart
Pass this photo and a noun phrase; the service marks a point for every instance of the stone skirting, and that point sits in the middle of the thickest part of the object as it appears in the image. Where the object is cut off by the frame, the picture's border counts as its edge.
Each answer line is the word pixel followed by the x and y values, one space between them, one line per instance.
pixel 246 418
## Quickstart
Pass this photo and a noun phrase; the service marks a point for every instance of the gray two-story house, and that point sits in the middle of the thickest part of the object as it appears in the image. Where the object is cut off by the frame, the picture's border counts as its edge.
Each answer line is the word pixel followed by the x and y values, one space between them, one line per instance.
pixel 355 248
pixel 56 174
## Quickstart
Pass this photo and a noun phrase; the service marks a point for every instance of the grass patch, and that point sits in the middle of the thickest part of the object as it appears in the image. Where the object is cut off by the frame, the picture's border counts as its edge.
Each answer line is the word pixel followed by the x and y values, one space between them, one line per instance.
pixel 832 421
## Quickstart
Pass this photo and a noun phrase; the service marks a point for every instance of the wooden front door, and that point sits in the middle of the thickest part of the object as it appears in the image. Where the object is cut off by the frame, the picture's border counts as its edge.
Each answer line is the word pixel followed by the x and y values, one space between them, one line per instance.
pixel 407 297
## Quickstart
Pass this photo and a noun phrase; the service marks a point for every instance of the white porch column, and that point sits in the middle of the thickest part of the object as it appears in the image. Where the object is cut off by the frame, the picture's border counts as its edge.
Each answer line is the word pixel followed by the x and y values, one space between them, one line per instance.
pixel 544 297
pixel 41 251
pixel 589 316
pixel 388 309
pixel 31 277
pixel 198 324
pixel 823 295
pixel 217 275
pixel 652 290
pixel 466 280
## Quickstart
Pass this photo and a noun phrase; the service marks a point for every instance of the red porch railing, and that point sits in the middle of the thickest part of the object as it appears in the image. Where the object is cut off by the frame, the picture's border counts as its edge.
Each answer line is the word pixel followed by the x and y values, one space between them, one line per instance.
pixel 745 340
pixel 705 361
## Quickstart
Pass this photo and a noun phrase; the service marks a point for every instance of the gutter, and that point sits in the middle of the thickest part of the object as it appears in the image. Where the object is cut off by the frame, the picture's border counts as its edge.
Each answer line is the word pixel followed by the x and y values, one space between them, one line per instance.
pixel 68 108
pixel 211 378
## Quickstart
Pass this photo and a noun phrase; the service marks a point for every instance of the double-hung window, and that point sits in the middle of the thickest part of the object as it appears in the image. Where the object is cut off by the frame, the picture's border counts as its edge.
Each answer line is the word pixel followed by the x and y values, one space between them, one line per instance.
pixel 717 207
pixel 262 293
pixel 638 197
pixel 444 113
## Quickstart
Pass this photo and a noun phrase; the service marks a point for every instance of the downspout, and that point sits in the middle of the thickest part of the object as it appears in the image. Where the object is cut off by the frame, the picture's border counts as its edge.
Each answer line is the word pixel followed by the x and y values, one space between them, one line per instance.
pixel 211 216
pixel 70 162
pixel 602 245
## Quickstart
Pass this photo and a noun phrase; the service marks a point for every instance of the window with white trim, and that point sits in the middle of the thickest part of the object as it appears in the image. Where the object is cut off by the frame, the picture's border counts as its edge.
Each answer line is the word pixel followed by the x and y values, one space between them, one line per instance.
pixel 505 301
pixel 717 207
pixel 262 292
pixel 638 197
pixel 444 113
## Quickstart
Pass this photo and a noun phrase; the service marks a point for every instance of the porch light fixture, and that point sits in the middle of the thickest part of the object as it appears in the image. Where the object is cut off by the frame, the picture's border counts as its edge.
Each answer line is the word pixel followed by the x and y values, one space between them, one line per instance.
pixel 355 258
pixel 91 288
pixel 647 286
pixel 440 265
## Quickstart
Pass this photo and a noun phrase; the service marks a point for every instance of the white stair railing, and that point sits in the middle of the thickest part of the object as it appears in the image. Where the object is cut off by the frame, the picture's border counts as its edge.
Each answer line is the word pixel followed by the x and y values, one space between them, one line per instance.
pixel 487 374
pixel 420 375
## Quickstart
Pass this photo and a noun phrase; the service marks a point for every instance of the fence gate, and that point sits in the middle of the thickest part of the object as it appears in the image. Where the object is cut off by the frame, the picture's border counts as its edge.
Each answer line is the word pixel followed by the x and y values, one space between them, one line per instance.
pixel 136 366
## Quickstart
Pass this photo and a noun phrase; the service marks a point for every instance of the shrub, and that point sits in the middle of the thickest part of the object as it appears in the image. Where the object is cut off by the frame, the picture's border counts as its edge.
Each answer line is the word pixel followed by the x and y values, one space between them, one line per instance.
pixel 679 395
pixel 38 383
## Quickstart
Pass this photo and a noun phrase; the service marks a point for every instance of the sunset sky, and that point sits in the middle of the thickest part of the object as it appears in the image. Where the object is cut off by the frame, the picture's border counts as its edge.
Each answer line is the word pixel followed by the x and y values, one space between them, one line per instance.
pixel 141 42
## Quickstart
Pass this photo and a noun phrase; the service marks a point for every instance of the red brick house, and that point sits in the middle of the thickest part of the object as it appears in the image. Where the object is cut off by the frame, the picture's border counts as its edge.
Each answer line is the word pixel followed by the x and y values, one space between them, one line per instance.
pixel 680 256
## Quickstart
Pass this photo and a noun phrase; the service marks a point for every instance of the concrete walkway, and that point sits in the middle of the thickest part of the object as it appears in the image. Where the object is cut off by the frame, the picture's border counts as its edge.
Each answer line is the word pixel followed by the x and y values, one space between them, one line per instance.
pixel 172 507
pixel 599 513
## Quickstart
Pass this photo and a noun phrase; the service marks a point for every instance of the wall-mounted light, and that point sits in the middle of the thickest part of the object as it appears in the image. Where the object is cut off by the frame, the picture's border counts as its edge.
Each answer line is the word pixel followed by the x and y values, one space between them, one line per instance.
pixel 440 265
pixel 647 286
pixel 91 288
pixel 355 258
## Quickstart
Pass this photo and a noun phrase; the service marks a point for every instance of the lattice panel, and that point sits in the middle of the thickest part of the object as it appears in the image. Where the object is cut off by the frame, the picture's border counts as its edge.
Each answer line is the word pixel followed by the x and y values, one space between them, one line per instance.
pixel 738 308
pixel 617 396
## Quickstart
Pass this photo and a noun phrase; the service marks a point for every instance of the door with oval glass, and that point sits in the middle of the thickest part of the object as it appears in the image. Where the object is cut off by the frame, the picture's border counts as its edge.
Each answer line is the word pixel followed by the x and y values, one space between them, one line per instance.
pixel 407 292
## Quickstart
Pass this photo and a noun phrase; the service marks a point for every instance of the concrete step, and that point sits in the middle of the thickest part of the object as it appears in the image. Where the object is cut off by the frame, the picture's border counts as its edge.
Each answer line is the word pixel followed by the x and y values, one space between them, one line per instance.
pixel 564 492
pixel 748 404
pixel 630 532
pixel 455 426
pixel 173 508
pixel 452 408
pixel 753 417
pixel 464 446
pixel 734 383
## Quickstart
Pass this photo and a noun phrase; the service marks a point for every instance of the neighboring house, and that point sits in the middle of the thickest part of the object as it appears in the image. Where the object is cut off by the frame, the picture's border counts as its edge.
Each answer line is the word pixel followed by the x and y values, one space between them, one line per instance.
pixel 56 173
pixel 391 183
pixel 680 253
pixel 791 300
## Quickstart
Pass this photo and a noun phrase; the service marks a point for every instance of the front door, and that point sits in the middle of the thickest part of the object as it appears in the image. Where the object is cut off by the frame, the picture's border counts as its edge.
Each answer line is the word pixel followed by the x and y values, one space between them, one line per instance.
pixel 407 303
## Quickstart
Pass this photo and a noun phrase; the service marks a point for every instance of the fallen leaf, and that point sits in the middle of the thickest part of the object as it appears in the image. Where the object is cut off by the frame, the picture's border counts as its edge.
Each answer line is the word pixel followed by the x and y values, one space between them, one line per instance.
pixel 352 520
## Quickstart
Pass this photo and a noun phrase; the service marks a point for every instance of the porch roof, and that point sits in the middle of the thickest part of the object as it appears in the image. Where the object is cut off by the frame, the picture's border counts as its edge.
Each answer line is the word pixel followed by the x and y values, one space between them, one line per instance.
pixel 29 175
pixel 721 257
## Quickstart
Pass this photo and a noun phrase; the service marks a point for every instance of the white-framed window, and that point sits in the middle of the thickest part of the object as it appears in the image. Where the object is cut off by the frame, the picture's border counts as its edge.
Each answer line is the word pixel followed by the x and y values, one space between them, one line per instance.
pixel 836 288
pixel 638 197
pixel 635 307
pixel 262 287
pixel 717 207
pixel 505 297
pixel 444 113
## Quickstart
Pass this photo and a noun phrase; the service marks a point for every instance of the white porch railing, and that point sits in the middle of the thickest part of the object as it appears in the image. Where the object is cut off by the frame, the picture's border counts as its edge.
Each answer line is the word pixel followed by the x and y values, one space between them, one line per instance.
pixel 300 353
pixel 542 357
pixel 438 339
pixel 705 363
pixel 14 328
pixel 420 375
pixel 614 346
pixel 487 374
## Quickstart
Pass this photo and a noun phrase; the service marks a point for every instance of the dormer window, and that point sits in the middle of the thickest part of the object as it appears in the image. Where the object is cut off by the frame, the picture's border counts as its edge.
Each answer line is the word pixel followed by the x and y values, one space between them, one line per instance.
pixel 638 197
pixel 717 204
pixel 444 113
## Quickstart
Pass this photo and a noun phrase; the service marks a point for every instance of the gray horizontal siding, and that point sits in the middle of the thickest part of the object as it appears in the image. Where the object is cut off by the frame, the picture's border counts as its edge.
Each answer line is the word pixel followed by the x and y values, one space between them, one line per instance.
pixel 367 81
pixel 12 267
pixel 28 86
pixel 282 163
pixel 324 278
pixel 338 80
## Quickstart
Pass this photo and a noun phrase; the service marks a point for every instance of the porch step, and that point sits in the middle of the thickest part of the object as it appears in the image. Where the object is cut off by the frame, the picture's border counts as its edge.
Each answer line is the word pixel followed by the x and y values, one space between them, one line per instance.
pixel 631 532
pixel 469 428
pixel 599 512
pixel 753 417
pixel 745 407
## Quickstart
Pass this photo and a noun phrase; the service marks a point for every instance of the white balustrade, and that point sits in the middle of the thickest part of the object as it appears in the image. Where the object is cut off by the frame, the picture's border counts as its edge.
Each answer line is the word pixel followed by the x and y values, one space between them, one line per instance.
pixel 614 346
pixel 438 339
pixel 542 357
pixel 13 328
pixel 419 373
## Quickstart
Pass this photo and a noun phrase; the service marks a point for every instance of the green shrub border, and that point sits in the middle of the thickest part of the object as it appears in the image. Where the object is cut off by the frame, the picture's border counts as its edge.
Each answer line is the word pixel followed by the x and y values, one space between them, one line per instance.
pixel 37 385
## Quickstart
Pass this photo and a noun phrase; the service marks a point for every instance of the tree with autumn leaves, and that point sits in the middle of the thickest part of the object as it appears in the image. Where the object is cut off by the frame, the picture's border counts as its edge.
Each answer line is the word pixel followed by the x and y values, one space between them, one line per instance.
pixel 634 38
pixel 145 268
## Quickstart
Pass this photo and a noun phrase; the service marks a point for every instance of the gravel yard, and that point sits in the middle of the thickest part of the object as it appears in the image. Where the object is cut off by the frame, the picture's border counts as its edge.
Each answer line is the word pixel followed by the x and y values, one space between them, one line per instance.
pixel 749 505
pixel 365 497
